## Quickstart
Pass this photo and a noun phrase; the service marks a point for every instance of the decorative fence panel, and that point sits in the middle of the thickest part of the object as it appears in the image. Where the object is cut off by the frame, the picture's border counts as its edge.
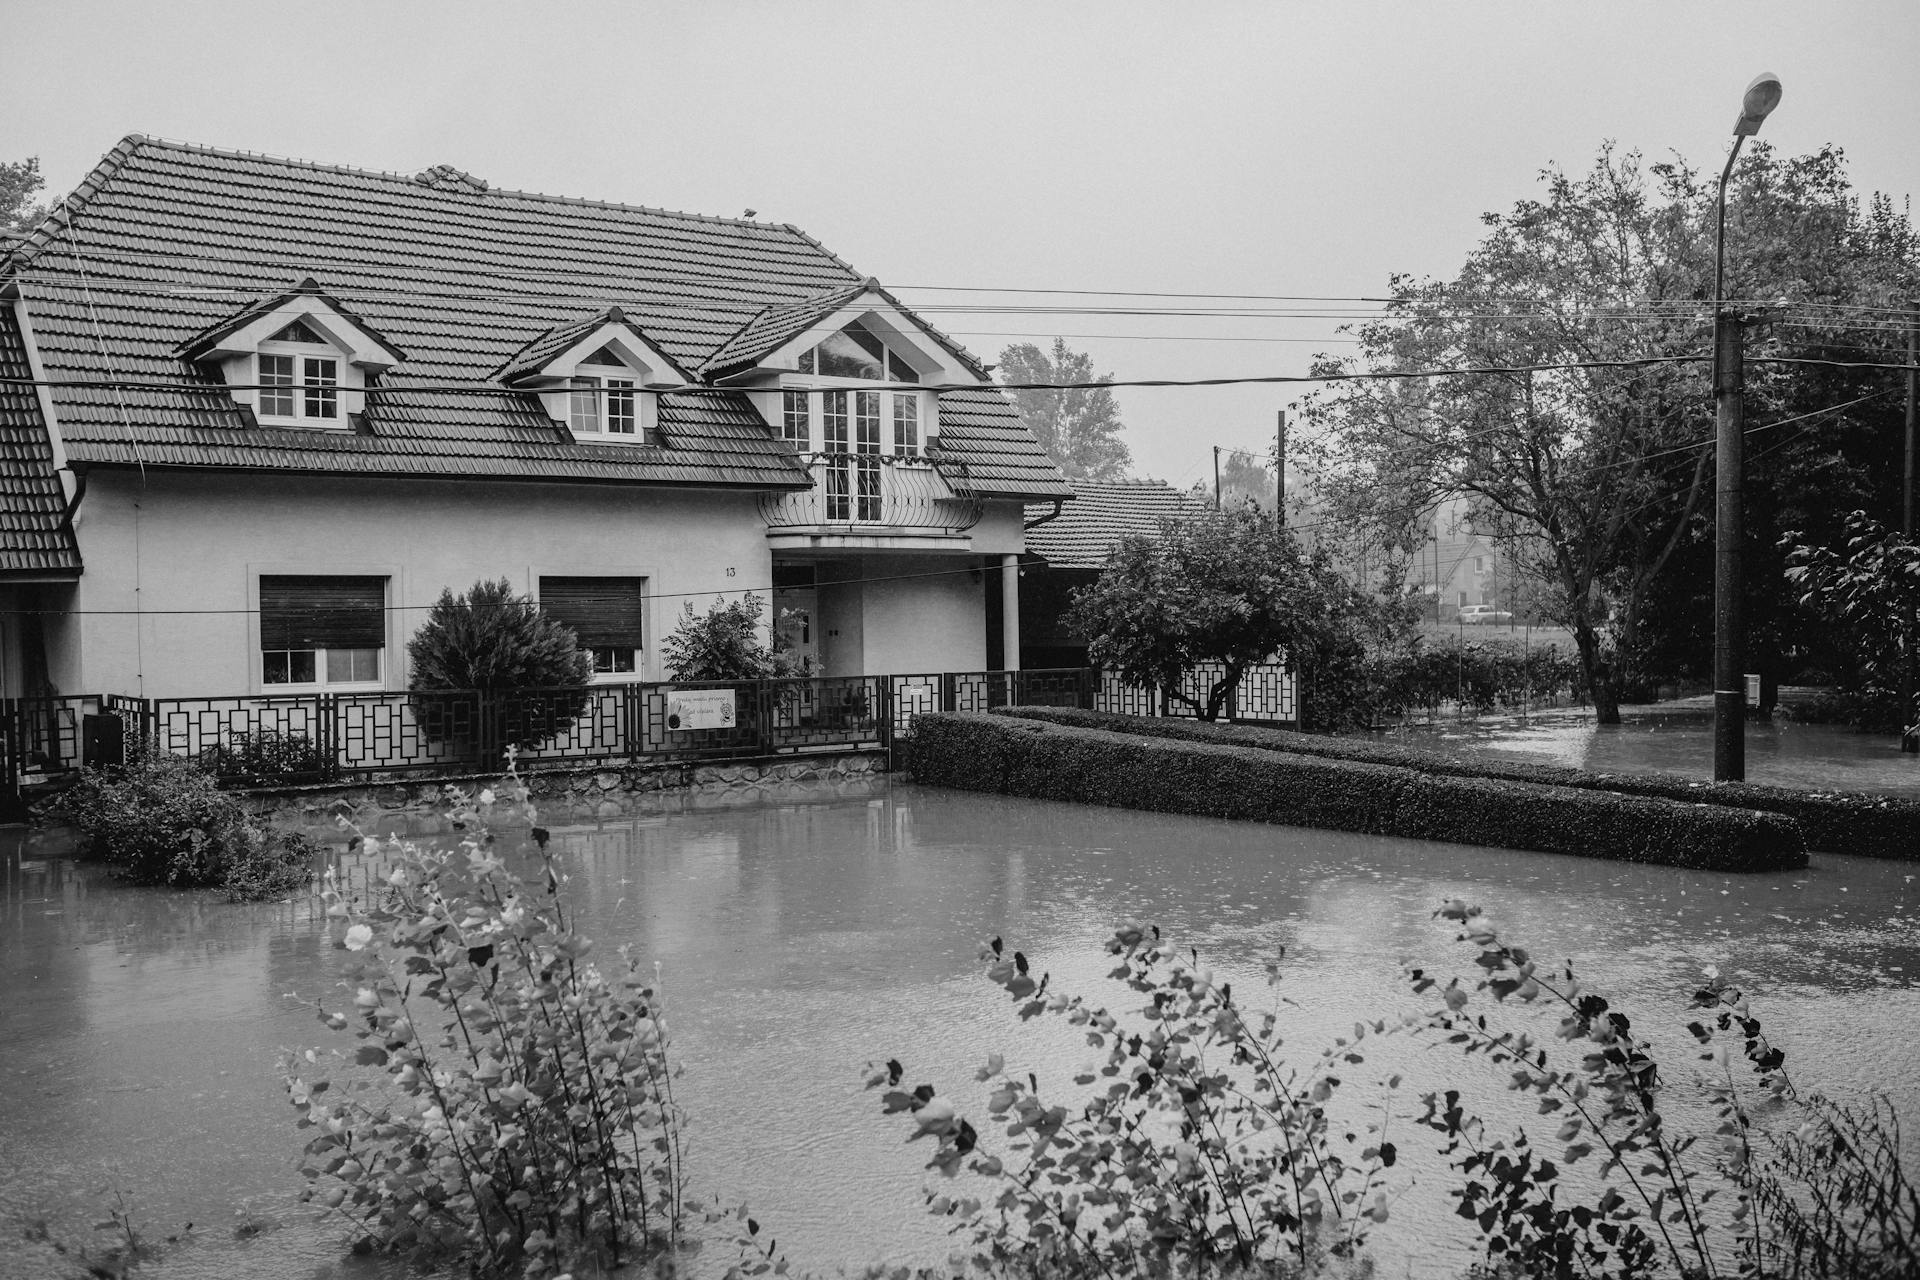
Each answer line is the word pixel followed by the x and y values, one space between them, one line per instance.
pixel 329 737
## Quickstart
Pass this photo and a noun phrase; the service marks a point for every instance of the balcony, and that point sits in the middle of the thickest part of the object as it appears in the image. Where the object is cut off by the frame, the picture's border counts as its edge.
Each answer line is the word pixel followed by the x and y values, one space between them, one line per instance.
pixel 870 501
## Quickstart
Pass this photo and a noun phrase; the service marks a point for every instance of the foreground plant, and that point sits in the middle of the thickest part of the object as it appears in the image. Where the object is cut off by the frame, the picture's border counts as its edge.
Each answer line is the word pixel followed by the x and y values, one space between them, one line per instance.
pixel 1204 1151
pixel 1822 1192
pixel 527 1123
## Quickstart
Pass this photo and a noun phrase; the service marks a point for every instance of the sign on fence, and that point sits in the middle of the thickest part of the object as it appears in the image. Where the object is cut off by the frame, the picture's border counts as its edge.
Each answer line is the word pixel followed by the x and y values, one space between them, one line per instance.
pixel 701 709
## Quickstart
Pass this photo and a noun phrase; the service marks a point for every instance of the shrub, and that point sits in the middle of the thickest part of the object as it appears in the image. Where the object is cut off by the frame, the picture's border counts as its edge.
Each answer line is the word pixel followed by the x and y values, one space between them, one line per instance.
pixel 1053 762
pixel 1194 1147
pixel 269 756
pixel 528 1123
pixel 724 644
pixel 499 644
pixel 1854 822
pixel 1200 1150
pixel 163 819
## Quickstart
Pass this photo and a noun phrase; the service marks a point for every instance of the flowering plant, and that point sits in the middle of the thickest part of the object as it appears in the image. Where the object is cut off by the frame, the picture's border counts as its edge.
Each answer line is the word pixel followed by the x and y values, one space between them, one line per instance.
pixel 529 1122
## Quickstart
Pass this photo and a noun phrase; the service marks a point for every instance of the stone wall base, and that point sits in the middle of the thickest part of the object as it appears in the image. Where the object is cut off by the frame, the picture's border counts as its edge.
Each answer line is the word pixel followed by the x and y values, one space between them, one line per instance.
pixel 568 793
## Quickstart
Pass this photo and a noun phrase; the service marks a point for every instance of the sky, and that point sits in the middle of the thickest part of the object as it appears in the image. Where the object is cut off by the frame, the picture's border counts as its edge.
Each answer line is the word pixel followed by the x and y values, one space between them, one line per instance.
pixel 973 155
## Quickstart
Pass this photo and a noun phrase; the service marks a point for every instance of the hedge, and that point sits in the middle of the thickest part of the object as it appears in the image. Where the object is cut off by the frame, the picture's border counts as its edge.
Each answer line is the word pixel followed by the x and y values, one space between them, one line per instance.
pixel 1091 766
pixel 1854 822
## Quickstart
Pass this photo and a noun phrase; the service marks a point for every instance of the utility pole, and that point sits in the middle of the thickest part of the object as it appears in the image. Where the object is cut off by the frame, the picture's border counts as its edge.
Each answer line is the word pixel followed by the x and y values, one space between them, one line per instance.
pixel 1280 459
pixel 1216 478
pixel 1909 741
pixel 1729 681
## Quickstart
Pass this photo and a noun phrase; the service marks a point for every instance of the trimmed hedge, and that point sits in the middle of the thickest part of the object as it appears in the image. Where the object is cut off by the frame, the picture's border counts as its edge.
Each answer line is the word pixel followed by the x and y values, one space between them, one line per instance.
pixel 1090 766
pixel 1854 822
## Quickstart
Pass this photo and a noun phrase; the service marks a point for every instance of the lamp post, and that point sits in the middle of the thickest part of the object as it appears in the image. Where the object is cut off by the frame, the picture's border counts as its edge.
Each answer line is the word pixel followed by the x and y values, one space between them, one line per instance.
pixel 1729 388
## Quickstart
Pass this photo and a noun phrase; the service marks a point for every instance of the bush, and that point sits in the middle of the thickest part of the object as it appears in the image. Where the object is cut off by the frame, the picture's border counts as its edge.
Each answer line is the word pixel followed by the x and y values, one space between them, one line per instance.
pixel 724 644
pixel 1854 822
pixel 1052 762
pixel 1195 1148
pixel 499 644
pixel 269 756
pixel 529 1123
pixel 163 819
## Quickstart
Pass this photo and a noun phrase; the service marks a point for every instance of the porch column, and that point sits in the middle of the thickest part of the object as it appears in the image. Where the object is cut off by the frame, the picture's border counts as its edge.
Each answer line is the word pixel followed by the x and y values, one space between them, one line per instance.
pixel 1010 613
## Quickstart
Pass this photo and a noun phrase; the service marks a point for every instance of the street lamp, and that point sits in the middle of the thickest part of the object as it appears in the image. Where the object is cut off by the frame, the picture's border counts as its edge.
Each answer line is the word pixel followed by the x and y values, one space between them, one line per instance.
pixel 1729 386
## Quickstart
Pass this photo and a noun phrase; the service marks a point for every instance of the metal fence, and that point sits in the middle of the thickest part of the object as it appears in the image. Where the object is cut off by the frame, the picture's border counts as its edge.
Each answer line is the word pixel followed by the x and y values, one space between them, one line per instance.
pixel 268 740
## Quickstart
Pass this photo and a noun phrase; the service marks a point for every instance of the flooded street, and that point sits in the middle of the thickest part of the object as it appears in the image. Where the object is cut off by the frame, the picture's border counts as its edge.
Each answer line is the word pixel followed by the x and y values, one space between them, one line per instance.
pixel 800 937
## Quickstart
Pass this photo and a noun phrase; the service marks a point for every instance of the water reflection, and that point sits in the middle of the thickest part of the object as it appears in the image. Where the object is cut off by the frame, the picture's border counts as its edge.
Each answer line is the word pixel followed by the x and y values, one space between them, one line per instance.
pixel 800 936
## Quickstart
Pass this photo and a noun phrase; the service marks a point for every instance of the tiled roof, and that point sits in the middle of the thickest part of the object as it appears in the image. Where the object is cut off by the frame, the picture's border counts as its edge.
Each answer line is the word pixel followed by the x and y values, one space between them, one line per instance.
pixel 164 241
pixel 774 326
pixel 537 354
pixel 210 337
pixel 34 536
pixel 1100 515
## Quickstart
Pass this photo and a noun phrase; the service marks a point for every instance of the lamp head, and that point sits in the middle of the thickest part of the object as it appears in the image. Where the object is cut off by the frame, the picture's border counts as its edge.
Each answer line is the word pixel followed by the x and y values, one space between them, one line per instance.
pixel 1762 96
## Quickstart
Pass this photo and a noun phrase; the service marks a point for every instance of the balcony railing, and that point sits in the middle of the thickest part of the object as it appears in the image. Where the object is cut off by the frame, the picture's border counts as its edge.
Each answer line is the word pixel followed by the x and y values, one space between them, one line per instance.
pixel 872 492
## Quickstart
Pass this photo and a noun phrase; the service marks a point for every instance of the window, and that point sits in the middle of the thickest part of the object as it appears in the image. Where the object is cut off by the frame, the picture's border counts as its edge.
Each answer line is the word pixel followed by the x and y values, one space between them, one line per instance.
pixel 608 401
pixel 315 394
pixel 906 425
pixel 1479 564
pixel 319 631
pixel 856 352
pixel 606 615
pixel 796 423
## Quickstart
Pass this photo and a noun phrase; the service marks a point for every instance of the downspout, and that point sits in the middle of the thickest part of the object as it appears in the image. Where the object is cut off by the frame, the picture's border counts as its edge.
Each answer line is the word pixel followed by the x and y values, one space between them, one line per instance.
pixel 1054 514
pixel 73 503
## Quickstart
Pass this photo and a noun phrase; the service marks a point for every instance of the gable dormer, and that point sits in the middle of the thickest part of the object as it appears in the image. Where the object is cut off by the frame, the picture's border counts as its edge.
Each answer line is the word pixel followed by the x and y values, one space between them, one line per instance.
pixel 601 376
pixel 299 359
pixel 846 372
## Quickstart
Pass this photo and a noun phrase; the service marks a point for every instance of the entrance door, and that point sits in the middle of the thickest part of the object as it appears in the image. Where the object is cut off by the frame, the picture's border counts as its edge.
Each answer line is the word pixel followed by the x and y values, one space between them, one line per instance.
pixel 796 630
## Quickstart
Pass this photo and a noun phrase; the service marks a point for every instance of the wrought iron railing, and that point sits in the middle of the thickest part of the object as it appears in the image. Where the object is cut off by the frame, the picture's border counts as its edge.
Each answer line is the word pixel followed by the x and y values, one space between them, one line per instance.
pixel 276 740
pixel 872 491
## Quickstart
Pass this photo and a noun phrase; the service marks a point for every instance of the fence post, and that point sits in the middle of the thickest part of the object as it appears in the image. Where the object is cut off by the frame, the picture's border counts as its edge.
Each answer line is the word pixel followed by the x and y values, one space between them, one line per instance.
pixel 949 692
pixel 327 730
pixel 1084 679
pixel 763 696
pixel 883 710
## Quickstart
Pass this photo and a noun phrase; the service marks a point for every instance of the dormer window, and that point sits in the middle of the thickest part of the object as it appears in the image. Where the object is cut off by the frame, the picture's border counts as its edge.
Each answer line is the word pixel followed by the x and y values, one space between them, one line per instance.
pixel 294 385
pixel 856 352
pixel 604 398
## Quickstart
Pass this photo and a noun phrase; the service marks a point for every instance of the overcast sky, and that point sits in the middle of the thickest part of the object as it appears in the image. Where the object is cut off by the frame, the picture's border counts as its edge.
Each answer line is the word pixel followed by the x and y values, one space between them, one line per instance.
pixel 1270 149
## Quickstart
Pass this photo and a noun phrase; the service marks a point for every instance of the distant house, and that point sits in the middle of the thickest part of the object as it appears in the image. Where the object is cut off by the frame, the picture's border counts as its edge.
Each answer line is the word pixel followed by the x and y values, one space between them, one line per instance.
pixel 255 414
pixel 1455 567
pixel 1067 550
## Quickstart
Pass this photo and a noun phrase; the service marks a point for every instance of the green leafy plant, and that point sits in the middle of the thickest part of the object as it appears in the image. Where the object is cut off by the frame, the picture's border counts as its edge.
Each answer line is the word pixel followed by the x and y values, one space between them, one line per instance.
pixel 520 1113
pixel 268 756
pixel 724 644
pixel 1826 1197
pixel 527 667
pixel 163 819
pixel 1199 1151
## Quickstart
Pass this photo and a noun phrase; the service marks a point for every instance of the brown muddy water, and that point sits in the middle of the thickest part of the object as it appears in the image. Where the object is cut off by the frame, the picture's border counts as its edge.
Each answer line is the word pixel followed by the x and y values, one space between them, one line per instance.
pixel 802 936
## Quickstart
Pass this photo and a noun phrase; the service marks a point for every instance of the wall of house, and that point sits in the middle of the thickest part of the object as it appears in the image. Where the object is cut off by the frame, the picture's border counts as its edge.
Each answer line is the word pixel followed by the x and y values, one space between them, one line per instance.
pixel 924 613
pixel 165 608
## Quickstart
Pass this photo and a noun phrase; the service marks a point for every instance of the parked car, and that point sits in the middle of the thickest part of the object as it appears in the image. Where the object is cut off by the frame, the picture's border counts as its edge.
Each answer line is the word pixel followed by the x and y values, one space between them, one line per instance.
pixel 1478 613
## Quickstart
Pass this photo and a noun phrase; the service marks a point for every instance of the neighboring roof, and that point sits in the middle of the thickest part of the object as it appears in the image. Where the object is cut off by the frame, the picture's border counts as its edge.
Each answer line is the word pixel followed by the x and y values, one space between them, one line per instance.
pixel 35 538
pixel 1101 514
pixel 164 241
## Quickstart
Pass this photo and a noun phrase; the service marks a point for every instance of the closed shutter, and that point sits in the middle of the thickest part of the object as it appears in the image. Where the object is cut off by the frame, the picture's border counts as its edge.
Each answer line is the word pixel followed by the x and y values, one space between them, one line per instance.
pixel 322 613
pixel 603 612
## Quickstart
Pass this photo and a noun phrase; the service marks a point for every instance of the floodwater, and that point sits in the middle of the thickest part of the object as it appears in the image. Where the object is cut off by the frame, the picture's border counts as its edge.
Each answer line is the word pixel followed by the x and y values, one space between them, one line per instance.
pixel 1679 740
pixel 802 936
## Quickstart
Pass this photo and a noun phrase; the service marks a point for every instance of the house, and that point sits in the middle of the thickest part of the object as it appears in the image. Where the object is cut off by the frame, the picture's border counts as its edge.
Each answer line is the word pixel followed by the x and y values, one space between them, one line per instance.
pixel 1067 548
pixel 257 413
pixel 1454 566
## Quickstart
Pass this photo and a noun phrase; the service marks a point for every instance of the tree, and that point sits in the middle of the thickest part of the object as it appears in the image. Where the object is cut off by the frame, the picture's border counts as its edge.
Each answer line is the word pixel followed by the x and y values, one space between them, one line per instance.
pixel 499 643
pixel 724 644
pixel 1079 429
pixel 18 181
pixel 1245 480
pixel 1230 587
pixel 1598 479
pixel 1870 599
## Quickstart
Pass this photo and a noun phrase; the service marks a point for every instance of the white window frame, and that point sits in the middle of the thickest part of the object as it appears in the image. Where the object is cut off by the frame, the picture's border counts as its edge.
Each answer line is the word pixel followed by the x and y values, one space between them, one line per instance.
pixel 607 389
pixel 305 382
